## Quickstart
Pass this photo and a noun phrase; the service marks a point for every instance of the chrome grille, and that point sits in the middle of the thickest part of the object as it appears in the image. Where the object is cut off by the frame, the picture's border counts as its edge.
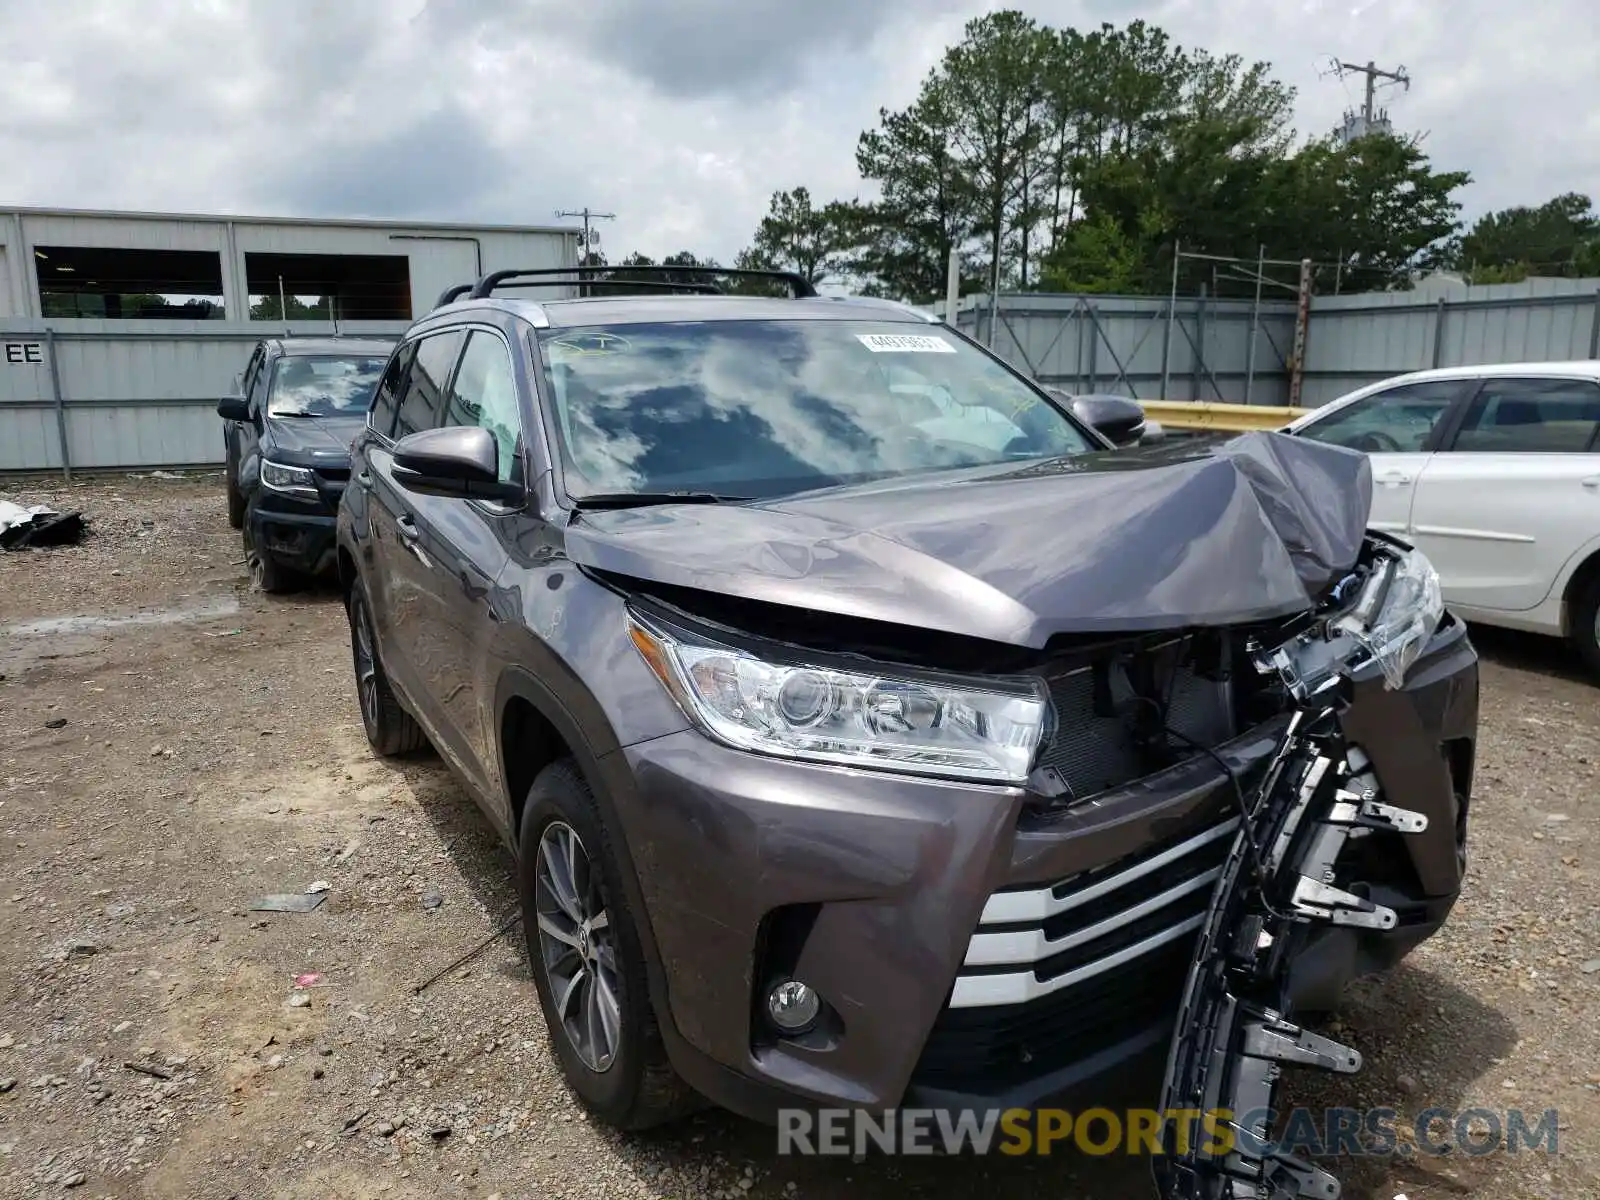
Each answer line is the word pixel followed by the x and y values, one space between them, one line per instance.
pixel 1034 942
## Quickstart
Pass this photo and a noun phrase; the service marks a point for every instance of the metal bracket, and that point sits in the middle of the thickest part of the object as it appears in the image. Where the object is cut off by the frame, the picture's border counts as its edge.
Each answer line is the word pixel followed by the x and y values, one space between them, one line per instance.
pixel 1364 810
pixel 1287 1177
pixel 1318 901
pixel 1281 1041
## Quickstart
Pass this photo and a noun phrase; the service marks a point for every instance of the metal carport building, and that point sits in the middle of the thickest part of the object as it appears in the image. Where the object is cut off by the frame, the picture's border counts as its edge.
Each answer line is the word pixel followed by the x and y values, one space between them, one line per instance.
pixel 119 331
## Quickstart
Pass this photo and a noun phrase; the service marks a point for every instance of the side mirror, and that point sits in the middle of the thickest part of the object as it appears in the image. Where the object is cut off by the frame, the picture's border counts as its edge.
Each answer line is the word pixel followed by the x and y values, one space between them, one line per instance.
pixel 460 461
pixel 1116 417
pixel 233 408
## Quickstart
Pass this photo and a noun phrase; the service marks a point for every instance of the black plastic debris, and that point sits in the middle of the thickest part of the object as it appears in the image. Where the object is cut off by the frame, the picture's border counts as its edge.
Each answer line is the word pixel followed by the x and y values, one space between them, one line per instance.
pixel 39 525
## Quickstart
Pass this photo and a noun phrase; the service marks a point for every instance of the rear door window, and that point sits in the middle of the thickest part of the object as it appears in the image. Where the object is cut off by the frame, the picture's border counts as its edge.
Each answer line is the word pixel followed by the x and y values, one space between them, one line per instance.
pixel 422 405
pixel 386 396
pixel 257 394
pixel 1531 416
pixel 1397 420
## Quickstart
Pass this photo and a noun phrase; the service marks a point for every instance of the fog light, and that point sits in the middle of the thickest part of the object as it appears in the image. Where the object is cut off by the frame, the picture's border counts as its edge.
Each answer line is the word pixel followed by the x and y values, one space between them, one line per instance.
pixel 792 1006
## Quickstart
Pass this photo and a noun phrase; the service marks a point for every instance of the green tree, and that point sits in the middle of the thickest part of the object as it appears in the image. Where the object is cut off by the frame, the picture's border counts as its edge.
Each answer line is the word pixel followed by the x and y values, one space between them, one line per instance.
pixel 1097 255
pixel 267 308
pixel 1080 159
pixel 1374 207
pixel 927 207
pixel 798 236
pixel 1559 237
pixel 991 86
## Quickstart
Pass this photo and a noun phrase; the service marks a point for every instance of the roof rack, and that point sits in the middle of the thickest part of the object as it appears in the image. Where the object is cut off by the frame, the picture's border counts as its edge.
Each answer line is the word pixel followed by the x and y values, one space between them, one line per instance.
pixel 452 294
pixel 799 286
pixel 648 285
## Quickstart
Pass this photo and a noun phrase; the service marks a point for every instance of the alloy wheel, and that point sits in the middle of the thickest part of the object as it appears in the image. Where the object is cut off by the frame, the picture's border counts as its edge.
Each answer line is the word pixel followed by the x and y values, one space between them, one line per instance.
pixel 366 661
pixel 576 947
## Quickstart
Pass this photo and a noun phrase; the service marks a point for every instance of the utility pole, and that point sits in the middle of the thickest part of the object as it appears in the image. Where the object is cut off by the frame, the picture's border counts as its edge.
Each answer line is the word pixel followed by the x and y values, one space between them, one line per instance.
pixel 1369 115
pixel 589 239
pixel 588 215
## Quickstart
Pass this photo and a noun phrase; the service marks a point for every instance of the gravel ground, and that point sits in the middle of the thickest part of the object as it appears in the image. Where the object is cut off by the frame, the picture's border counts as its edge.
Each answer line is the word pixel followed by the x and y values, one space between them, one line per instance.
pixel 212 753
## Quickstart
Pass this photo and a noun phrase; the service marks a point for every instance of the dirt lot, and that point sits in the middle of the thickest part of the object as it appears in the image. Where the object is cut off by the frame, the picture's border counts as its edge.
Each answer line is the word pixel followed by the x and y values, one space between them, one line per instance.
pixel 212 752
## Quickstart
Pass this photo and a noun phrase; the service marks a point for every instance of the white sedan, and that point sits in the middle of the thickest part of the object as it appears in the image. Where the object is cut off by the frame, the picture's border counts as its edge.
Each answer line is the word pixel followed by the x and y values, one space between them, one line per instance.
pixel 1494 473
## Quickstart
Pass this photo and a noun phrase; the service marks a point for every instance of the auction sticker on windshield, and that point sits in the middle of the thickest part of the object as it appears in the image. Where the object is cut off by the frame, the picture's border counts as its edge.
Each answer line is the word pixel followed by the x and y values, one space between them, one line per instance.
pixel 904 343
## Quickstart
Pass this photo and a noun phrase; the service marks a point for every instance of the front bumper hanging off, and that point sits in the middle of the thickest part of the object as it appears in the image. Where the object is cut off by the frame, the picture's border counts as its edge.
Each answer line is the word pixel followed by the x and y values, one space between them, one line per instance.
pixel 1317 794
pixel 1232 1038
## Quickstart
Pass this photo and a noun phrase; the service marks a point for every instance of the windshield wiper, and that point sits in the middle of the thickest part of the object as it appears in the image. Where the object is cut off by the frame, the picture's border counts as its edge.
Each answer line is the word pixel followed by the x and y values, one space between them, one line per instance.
pixel 290 412
pixel 643 499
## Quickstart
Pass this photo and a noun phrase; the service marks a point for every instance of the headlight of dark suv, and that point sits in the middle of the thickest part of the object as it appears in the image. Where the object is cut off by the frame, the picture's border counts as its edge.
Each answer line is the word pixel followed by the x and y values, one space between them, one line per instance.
pixel 290 481
pixel 1397 608
pixel 922 723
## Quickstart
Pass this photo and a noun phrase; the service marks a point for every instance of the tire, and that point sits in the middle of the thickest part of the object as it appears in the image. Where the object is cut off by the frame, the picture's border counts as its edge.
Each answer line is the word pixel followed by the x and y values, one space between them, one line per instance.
pixel 391 730
pixel 1586 625
pixel 267 575
pixel 236 503
pixel 636 1087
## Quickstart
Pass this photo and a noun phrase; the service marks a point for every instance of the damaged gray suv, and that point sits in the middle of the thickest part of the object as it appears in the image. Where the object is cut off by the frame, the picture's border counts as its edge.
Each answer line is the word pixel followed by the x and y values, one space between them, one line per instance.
pixel 869 731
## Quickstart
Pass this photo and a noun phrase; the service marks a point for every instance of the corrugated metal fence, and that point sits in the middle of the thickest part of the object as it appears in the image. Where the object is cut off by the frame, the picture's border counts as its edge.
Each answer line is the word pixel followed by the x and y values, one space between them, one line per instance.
pixel 108 394
pixel 1203 349
pixel 1136 346
pixel 1356 340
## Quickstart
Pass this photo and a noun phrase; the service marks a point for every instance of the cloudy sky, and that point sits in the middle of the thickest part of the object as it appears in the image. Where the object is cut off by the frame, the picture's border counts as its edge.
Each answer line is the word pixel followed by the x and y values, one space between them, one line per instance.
pixel 681 116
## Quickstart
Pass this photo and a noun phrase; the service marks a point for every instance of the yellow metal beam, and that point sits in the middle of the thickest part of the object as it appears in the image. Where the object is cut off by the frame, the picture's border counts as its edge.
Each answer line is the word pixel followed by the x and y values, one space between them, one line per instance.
pixel 1226 418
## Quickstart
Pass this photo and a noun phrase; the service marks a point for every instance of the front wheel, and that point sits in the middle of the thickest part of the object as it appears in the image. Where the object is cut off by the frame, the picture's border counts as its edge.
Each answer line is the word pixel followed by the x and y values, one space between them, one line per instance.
pixel 391 730
pixel 588 963
pixel 236 503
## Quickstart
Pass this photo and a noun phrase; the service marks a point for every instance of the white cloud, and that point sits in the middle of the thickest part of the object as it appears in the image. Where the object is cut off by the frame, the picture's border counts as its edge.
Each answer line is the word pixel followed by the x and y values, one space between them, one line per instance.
pixel 681 118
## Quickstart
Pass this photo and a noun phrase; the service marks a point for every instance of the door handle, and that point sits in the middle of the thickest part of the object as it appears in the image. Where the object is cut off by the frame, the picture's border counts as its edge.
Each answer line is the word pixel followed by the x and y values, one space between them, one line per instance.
pixel 411 535
pixel 364 479
pixel 1592 483
pixel 1394 478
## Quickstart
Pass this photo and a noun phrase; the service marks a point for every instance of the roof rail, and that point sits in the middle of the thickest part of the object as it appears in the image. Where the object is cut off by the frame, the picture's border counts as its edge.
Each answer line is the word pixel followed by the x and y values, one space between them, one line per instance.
pixel 799 286
pixel 649 285
pixel 451 294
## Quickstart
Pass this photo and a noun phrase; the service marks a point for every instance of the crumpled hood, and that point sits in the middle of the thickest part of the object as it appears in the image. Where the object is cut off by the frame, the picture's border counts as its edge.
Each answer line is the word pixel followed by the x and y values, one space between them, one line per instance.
pixel 1173 535
pixel 311 441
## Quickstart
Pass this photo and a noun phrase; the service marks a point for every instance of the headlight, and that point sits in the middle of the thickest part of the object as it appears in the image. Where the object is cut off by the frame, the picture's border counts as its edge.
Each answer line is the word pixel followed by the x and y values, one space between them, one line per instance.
pixel 296 481
pixel 1398 609
pixel 919 723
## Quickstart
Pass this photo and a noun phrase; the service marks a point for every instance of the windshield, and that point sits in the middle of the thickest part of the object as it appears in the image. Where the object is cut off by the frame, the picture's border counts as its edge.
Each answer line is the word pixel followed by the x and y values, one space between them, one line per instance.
pixel 322 385
pixel 766 408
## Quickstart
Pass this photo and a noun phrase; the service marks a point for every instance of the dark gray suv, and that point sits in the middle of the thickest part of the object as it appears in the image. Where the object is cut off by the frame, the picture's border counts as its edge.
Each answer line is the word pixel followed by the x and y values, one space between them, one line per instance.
pixel 868 729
